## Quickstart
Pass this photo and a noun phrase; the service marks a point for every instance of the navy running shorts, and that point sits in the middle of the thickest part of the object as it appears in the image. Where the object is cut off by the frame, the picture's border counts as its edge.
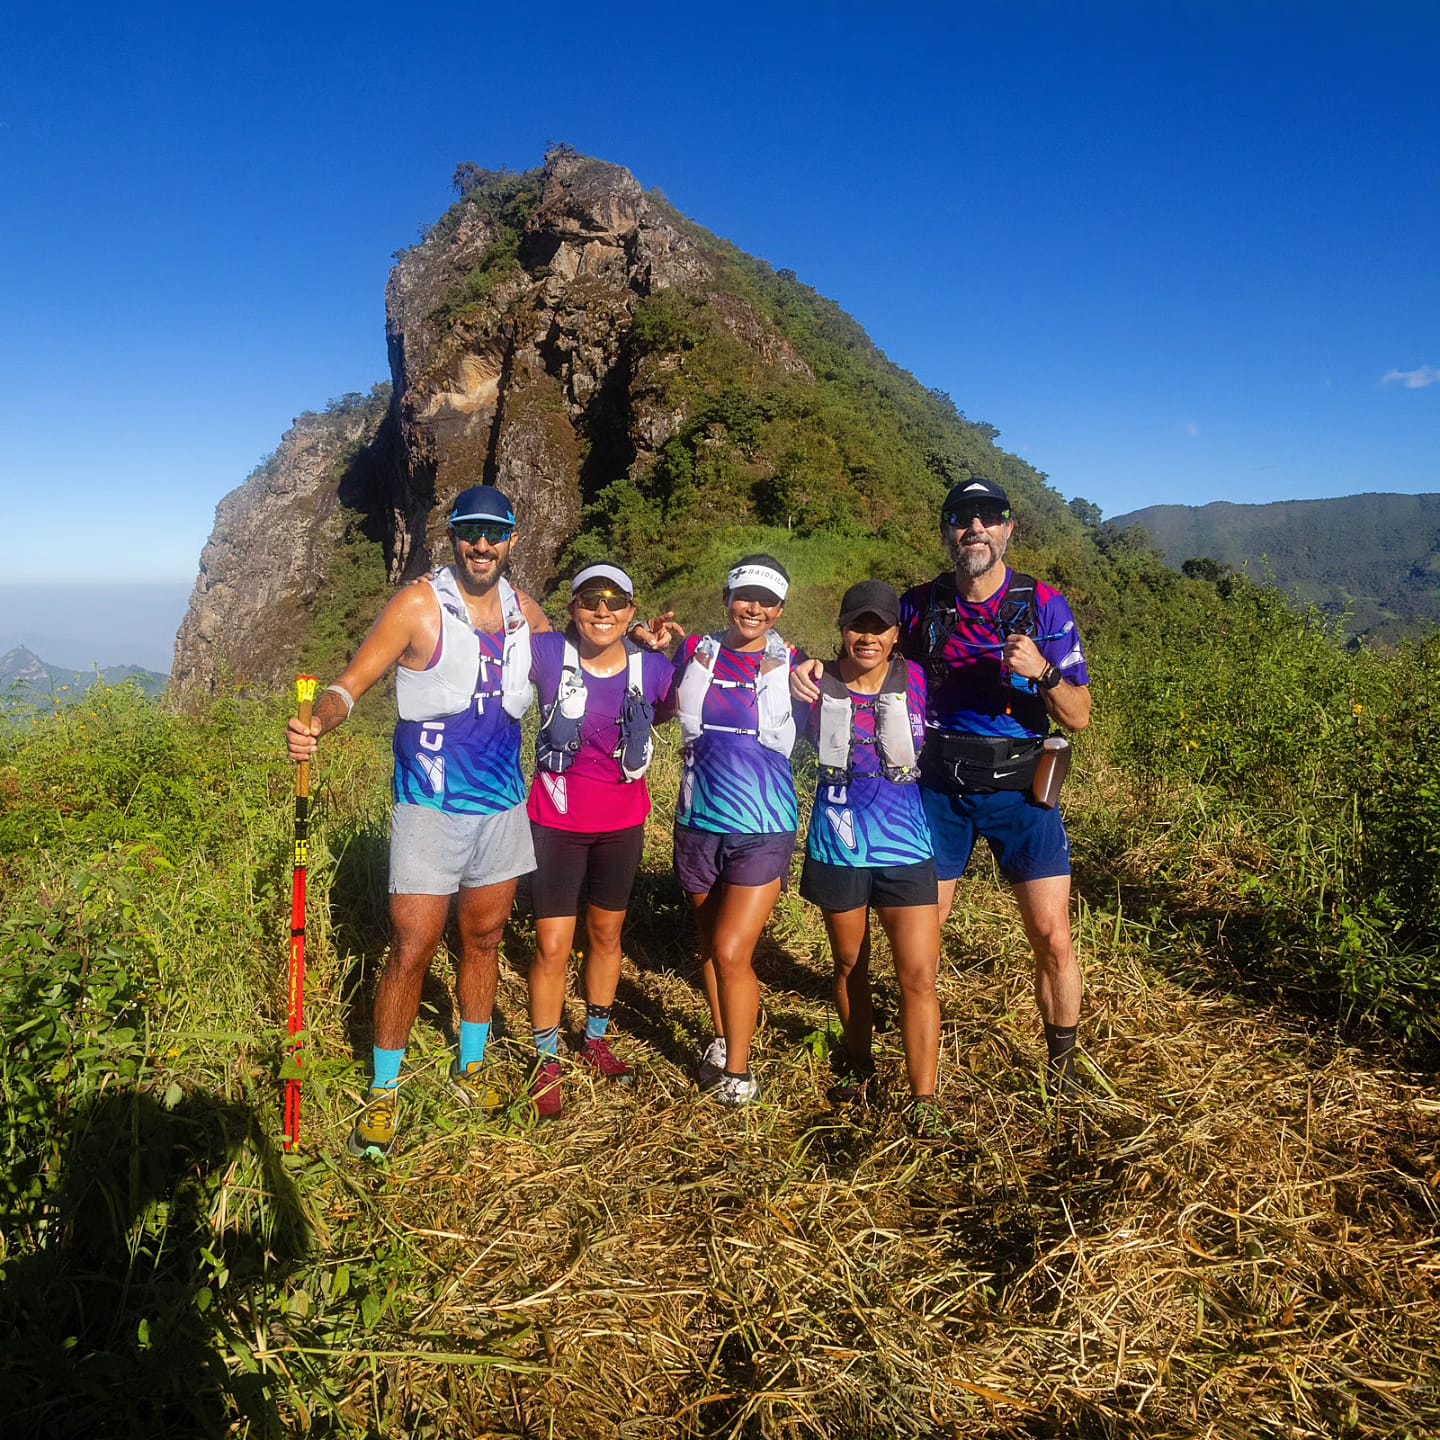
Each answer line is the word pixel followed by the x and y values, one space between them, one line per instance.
pixel 568 863
pixel 1028 841
pixel 839 888
pixel 704 859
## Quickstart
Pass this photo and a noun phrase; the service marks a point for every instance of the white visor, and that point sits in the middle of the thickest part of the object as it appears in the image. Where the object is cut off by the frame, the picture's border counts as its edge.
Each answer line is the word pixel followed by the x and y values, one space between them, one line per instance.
pixel 613 573
pixel 761 575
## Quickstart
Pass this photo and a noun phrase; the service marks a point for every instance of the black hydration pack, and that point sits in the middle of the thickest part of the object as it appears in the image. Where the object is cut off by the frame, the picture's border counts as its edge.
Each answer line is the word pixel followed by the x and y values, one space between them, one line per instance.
pixel 1018 616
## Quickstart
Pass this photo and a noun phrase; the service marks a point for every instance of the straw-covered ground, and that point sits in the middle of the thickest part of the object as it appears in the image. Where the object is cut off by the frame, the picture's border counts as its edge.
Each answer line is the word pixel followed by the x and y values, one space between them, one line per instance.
pixel 1235 1236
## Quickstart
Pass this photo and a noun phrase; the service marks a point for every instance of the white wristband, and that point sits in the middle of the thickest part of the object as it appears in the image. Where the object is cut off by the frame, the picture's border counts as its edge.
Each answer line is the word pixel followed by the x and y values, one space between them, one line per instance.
pixel 344 694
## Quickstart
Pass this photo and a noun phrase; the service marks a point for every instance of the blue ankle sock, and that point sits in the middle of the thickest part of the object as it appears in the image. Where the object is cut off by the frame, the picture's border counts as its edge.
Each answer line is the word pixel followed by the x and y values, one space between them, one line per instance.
pixel 547 1042
pixel 597 1021
pixel 387 1068
pixel 473 1039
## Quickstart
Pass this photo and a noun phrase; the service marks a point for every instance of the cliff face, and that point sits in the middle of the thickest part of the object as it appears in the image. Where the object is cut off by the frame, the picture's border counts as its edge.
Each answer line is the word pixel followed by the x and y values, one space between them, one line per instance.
pixel 516 374
pixel 269 553
pixel 637 387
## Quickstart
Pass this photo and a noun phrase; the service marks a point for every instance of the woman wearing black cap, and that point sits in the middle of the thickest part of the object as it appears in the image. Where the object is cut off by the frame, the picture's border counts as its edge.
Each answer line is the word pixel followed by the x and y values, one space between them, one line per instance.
pixel 869 845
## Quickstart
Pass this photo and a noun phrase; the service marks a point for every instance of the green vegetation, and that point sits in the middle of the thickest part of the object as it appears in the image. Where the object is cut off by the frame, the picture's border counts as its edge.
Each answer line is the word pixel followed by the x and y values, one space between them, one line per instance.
pixel 1371 561
pixel 506 201
pixel 1254 814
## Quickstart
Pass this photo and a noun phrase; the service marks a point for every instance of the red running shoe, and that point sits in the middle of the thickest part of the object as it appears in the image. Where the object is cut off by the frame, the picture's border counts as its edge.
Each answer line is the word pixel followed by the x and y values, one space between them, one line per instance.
pixel 545 1089
pixel 599 1054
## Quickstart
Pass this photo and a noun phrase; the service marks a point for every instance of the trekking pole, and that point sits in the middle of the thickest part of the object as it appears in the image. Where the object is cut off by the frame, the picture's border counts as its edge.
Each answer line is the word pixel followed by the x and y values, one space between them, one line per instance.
pixel 305 694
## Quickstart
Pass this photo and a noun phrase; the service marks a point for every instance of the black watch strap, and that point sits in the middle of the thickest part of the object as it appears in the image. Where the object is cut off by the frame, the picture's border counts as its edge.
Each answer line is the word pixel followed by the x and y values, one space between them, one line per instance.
pixel 1050 679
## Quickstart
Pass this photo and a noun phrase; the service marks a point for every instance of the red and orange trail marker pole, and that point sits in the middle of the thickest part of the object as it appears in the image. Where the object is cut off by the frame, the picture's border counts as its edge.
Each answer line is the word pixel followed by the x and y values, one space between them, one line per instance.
pixel 305 686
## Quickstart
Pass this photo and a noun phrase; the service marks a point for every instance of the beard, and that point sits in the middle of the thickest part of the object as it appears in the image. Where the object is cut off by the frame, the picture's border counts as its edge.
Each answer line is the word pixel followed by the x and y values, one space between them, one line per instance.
pixel 974 560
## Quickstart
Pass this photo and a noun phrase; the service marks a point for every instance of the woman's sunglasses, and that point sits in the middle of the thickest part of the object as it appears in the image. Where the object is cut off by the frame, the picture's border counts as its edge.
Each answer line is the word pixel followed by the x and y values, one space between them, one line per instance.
pixel 612 600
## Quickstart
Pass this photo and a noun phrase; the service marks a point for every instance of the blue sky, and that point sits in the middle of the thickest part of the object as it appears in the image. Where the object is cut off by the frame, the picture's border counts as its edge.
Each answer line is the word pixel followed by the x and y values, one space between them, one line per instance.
pixel 1171 251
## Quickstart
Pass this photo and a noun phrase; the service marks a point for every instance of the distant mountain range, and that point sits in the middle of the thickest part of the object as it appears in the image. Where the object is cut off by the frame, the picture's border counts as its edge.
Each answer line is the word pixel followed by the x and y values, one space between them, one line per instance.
pixel 25 676
pixel 1373 557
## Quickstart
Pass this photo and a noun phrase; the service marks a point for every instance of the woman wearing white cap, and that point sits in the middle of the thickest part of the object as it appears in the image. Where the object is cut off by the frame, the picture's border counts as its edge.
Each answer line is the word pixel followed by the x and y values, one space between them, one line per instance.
pixel 599 696
pixel 736 816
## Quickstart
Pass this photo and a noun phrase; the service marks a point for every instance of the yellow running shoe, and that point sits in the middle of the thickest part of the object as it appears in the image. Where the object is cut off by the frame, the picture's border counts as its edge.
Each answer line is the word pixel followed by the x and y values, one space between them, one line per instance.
pixel 374 1131
pixel 472 1091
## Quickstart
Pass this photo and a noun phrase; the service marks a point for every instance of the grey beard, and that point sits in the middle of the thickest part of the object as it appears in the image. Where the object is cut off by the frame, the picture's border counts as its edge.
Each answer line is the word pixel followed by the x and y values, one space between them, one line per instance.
pixel 974 560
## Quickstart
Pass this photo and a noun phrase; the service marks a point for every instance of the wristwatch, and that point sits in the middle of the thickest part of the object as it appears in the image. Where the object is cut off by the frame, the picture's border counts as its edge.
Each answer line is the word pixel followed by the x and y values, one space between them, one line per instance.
pixel 1049 679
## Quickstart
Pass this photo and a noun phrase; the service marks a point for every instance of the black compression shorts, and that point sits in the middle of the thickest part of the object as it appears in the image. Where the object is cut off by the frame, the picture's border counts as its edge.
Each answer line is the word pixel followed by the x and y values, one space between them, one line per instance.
pixel 568 864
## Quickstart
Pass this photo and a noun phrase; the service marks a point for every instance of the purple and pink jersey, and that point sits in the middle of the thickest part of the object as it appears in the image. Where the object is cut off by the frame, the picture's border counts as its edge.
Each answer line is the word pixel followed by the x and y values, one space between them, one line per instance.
pixel 734 785
pixel 593 796
pixel 465 764
pixel 975 695
pixel 870 821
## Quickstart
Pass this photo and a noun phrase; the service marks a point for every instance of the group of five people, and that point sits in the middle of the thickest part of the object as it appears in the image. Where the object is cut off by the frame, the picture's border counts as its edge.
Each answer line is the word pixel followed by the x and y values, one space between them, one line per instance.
pixel 929 729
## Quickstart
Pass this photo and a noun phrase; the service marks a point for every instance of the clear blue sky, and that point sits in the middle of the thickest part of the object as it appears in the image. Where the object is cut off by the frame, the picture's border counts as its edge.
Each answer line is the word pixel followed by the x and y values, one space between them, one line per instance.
pixel 1171 250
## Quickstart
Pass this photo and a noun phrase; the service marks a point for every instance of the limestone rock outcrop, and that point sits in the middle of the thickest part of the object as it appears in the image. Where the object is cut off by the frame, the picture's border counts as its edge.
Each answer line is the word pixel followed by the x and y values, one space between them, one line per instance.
pixel 512 363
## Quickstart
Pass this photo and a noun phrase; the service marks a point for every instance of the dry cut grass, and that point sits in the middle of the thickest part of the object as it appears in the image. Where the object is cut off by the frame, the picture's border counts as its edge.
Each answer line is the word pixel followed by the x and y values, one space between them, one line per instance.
pixel 1236 1236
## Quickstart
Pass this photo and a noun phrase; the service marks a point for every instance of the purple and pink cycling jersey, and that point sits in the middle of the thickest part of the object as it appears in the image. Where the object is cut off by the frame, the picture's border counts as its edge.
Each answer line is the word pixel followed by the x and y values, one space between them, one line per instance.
pixel 593 796
pixel 870 821
pixel 976 694
pixel 734 785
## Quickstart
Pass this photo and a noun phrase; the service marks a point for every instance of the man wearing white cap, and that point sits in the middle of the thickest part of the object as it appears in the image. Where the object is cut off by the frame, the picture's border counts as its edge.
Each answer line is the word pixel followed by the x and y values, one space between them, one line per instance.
pixel 459 643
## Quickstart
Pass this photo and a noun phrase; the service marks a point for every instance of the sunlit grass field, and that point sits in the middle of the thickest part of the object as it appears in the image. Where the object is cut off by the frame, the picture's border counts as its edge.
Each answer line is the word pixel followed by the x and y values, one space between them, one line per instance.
pixel 1233 1236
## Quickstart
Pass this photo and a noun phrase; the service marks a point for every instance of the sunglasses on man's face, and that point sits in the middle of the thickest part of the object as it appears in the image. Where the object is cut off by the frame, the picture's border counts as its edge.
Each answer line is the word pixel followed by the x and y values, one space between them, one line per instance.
pixel 987 514
pixel 612 600
pixel 472 531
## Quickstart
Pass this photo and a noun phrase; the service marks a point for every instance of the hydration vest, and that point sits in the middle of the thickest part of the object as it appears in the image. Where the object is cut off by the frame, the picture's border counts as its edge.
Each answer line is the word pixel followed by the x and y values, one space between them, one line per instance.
pixel 558 742
pixel 772 695
pixel 1017 616
pixel 448 686
pixel 894 739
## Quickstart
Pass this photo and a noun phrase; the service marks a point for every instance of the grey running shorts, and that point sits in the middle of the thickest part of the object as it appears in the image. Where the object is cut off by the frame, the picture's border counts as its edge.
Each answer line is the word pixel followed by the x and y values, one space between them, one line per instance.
pixel 435 853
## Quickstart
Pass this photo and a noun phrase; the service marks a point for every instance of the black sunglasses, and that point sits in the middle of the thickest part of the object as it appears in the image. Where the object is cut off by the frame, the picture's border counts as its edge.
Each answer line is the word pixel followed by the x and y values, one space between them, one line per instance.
pixel 989 514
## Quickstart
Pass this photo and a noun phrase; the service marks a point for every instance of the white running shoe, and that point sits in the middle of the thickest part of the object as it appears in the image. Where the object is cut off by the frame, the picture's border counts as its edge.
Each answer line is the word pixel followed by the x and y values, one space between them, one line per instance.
pixel 712 1064
pixel 737 1090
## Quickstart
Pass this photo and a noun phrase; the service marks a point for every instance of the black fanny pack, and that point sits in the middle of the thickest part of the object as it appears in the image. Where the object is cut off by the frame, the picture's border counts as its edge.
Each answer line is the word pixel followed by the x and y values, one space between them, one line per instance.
pixel 978 764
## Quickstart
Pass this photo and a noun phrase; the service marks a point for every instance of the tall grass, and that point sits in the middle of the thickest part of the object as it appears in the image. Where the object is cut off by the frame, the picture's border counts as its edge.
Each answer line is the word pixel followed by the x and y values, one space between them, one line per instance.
pixel 1252 804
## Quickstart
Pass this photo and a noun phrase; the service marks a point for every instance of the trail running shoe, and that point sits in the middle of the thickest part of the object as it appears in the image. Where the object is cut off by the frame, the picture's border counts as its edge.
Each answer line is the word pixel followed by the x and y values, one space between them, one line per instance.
pixel 854 1081
pixel 374 1131
pixel 545 1089
pixel 712 1064
pixel 597 1053
pixel 926 1120
pixel 472 1091
pixel 734 1090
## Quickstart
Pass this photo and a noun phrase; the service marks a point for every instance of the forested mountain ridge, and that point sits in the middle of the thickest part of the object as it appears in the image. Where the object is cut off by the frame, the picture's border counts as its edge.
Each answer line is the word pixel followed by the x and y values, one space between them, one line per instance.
pixel 1374 557
pixel 642 390
pixel 25 677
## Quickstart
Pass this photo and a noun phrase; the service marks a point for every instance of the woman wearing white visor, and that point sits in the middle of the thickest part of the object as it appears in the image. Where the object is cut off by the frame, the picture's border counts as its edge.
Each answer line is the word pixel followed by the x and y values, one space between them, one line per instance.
pixel 736 816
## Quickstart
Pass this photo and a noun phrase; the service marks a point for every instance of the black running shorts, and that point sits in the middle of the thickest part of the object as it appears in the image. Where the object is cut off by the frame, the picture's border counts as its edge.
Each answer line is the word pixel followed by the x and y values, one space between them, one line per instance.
pixel 568 864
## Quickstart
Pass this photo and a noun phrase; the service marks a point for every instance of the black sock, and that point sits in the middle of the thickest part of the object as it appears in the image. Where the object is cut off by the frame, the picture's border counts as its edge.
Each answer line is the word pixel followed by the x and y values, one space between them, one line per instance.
pixel 737 1074
pixel 1060 1042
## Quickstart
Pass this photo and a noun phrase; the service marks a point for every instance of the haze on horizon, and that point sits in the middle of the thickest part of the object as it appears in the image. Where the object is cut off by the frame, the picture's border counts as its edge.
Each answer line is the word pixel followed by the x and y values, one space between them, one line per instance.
pixel 1175 254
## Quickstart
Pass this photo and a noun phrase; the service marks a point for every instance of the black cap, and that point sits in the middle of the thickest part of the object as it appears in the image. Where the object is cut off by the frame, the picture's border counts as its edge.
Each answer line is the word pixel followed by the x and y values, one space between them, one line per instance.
pixel 975 488
pixel 870 597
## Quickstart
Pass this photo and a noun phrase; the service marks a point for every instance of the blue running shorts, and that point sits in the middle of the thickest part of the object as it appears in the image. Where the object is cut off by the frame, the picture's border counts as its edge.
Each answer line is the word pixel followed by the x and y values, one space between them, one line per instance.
pixel 1028 841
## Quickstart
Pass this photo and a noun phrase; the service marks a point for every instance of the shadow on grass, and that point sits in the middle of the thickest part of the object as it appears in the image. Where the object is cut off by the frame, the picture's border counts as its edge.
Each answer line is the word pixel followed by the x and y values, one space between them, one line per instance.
pixel 122 1324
